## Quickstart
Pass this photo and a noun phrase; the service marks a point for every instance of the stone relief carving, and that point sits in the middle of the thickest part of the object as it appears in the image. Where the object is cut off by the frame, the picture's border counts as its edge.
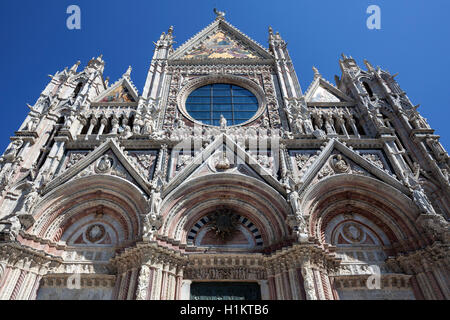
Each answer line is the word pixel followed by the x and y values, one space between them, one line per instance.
pixel 74 158
pixel 104 164
pixel 325 171
pixel 143 283
pixel 31 124
pixel 339 164
pixel 11 153
pixel 229 273
pixel 374 159
pixel 421 200
pixel 9 228
pixel 183 160
pixel 308 281
pixel 144 162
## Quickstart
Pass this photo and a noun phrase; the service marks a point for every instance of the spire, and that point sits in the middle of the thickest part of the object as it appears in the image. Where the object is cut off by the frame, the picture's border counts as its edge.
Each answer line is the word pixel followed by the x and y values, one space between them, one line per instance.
pixel 97 63
pixel 75 67
pixel 270 33
pixel 369 66
pixel 127 74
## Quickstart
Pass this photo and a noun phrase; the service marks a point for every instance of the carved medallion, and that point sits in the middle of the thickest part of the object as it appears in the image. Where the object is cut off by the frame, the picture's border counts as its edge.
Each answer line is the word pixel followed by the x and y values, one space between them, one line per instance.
pixel 339 164
pixel 353 232
pixel 95 233
pixel 104 164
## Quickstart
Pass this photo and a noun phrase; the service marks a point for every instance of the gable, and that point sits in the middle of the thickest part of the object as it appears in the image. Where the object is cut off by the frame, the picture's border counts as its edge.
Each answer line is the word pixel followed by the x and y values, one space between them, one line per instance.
pixel 107 159
pixel 119 94
pixel 220 46
pixel 321 92
pixel 311 166
pixel 122 92
pixel 323 95
pixel 211 161
pixel 220 40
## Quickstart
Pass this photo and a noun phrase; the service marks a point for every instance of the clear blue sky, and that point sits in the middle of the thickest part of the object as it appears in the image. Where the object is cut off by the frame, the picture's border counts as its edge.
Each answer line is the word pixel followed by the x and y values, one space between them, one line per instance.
pixel 413 41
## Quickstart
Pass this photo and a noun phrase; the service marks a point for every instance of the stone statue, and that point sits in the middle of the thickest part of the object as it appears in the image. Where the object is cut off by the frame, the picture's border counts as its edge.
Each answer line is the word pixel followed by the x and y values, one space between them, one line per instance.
pixel 223 122
pixel 126 133
pixel 436 147
pixel 11 153
pixel 9 228
pixel 446 175
pixel 298 125
pixel 319 134
pixel 308 125
pixel 31 124
pixel 302 228
pixel 375 115
pixel 421 200
pixel 69 121
pixel 418 121
pixel 265 123
pixel 137 126
pixel 293 199
pixel 436 226
pixel 339 164
pixel 156 200
pixel 152 223
pixel 309 283
pixel 148 126
pixel 143 282
pixel 30 200
pixel 416 171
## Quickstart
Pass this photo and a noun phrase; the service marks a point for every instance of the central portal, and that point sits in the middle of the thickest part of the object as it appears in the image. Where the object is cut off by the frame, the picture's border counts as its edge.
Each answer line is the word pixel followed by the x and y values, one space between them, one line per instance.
pixel 225 291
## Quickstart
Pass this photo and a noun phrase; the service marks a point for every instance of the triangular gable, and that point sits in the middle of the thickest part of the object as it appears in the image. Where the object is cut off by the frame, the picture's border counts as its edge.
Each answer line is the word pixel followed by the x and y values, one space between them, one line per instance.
pixel 122 92
pixel 372 169
pixel 109 145
pixel 220 40
pixel 223 140
pixel 321 92
pixel 240 167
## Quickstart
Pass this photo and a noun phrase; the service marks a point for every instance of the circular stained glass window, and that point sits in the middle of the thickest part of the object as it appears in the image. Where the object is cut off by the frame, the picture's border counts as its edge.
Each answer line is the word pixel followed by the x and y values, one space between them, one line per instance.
pixel 206 104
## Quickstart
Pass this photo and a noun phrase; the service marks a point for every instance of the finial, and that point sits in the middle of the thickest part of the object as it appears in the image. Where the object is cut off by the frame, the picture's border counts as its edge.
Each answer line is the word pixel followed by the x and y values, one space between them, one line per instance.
pixel 368 65
pixel 107 81
pixel 170 31
pixel 75 66
pixel 219 14
pixel 270 30
pixel 128 72
pixel 343 56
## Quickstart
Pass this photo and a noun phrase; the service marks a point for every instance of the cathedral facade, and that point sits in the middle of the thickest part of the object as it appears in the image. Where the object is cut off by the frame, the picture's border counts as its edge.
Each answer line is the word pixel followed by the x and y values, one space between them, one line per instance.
pixel 222 179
